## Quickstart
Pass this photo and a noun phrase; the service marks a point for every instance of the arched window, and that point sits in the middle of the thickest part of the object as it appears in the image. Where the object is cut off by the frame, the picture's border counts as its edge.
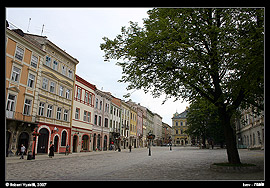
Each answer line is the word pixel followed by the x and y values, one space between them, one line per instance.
pixel 64 138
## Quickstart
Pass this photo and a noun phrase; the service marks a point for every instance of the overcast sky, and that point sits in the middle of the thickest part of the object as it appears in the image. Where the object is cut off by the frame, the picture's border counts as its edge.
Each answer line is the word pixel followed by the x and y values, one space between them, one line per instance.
pixel 79 31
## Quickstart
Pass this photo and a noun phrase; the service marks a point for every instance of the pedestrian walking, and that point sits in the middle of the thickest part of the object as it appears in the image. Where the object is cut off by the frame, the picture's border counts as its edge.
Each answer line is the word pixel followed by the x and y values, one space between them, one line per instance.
pixel 129 148
pixel 22 151
pixel 67 150
pixel 51 154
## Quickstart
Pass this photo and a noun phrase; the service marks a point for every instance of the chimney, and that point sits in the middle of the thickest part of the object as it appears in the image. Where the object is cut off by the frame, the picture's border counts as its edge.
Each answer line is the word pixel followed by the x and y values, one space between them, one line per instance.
pixel 19 32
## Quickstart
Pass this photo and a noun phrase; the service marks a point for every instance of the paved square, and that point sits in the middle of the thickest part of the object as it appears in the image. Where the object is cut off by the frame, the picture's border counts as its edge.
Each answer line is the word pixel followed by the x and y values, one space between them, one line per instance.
pixel 182 163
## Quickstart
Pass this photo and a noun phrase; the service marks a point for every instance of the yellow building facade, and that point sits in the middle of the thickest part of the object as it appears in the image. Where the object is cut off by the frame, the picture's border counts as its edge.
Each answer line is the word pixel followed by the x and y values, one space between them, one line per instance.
pixel 179 126
pixel 55 98
pixel 23 63
pixel 133 126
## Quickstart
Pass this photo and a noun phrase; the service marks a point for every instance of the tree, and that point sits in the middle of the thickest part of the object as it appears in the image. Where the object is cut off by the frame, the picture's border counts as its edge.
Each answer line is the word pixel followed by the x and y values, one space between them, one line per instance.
pixel 203 122
pixel 214 53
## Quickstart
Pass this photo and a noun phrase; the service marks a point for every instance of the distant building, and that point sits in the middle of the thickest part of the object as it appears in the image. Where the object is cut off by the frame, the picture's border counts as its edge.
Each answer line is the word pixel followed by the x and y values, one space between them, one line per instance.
pixel 167 132
pixel 101 121
pixel 115 122
pixel 83 115
pixel 157 129
pixel 179 125
pixel 250 130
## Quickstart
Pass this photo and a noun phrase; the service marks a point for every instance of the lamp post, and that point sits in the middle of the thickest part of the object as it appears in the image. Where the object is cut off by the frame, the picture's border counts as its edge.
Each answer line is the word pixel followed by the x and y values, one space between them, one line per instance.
pixel 150 138
pixel 35 134
pixel 170 143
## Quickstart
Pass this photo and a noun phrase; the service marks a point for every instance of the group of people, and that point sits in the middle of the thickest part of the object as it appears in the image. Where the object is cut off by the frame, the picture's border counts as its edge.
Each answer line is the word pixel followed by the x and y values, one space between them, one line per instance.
pixel 51 153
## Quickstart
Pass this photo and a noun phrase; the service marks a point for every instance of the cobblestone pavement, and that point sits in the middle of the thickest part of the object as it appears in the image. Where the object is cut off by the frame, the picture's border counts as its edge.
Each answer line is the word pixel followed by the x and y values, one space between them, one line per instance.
pixel 182 163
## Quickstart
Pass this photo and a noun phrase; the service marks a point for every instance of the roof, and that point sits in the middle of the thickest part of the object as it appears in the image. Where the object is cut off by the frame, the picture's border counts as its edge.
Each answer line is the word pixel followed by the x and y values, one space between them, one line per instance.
pixel 182 115
pixel 42 40
pixel 86 83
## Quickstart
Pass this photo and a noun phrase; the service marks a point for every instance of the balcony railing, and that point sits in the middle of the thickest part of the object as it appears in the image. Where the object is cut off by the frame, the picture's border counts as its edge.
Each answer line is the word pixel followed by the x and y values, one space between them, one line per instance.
pixel 20 116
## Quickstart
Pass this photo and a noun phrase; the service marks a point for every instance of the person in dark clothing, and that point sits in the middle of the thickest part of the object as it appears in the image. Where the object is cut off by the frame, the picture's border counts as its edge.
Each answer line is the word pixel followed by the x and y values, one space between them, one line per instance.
pixel 51 154
pixel 129 148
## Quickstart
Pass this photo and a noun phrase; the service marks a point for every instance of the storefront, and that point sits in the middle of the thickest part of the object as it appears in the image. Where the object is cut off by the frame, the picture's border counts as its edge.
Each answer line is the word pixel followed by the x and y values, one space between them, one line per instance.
pixel 51 134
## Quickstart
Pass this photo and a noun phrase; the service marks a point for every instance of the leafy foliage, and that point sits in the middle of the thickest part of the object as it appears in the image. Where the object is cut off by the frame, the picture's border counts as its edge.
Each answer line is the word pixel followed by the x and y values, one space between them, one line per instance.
pixel 203 122
pixel 214 53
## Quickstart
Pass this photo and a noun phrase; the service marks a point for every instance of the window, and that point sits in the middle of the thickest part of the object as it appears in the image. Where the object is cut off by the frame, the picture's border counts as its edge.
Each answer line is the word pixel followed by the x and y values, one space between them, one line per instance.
pixel 86 98
pixel 64 70
pixel 106 122
pixel 64 138
pixel 181 123
pixel 100 105
pixel 52 87
pixel 99 120
pixel 48 61
pixel 10 102
pixel 95 120
pixel 31 80
pixel 55 65
pixel 65 115
pixel 90 99
pixel 27 107
pixel 70 74
pixel 96 103
pixel 19 53
pixel 84 115
pixel 41 109
pixel 58 113
pixel 88 117
pixel 61 91
pixel 49 111
pixel 79 93
pixel 77 113
pixel 45 83
pixel 34 61
pixel 67 93
pixel 15 74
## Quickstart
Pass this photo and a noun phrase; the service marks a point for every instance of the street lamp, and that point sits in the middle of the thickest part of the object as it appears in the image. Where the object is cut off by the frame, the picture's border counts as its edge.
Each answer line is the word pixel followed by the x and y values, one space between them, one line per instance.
pixel 35 134
pixel 150 138
pixel 170 143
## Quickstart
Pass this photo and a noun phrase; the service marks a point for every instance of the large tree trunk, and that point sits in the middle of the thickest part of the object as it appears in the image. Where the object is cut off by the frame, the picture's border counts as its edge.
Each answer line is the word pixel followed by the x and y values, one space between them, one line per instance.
pixel 232 152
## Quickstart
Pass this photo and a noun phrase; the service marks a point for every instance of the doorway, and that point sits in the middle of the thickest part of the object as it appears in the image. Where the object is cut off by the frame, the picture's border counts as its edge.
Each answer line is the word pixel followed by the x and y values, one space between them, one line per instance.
pixel 94 142
pixel 23 139
pixel 43 141
pixel 55 143
pixel 8 136
pixel 75 140
pixel 85 141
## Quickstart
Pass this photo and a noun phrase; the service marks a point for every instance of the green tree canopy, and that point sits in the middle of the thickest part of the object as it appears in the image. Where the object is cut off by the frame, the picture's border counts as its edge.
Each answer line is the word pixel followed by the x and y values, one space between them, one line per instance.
pixel 203 122
pixel 214 53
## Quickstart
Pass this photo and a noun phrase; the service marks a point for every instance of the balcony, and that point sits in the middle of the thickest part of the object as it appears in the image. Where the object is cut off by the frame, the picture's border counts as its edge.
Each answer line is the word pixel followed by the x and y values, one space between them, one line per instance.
pixel 20 116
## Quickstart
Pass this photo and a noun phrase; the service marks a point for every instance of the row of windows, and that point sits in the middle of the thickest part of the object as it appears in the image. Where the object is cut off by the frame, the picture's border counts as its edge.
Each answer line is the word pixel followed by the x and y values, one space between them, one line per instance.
pixel 115 111
pixel 15 76
pixel 19 53
pixel 177 131
pixel 61 114
pixel 86 115
pixel 97 121
pixel 11 104
pixel 107 106
pixel 249 140
pixel 50 86
pixel 182 123
pixel 55 66
pixel 87 96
